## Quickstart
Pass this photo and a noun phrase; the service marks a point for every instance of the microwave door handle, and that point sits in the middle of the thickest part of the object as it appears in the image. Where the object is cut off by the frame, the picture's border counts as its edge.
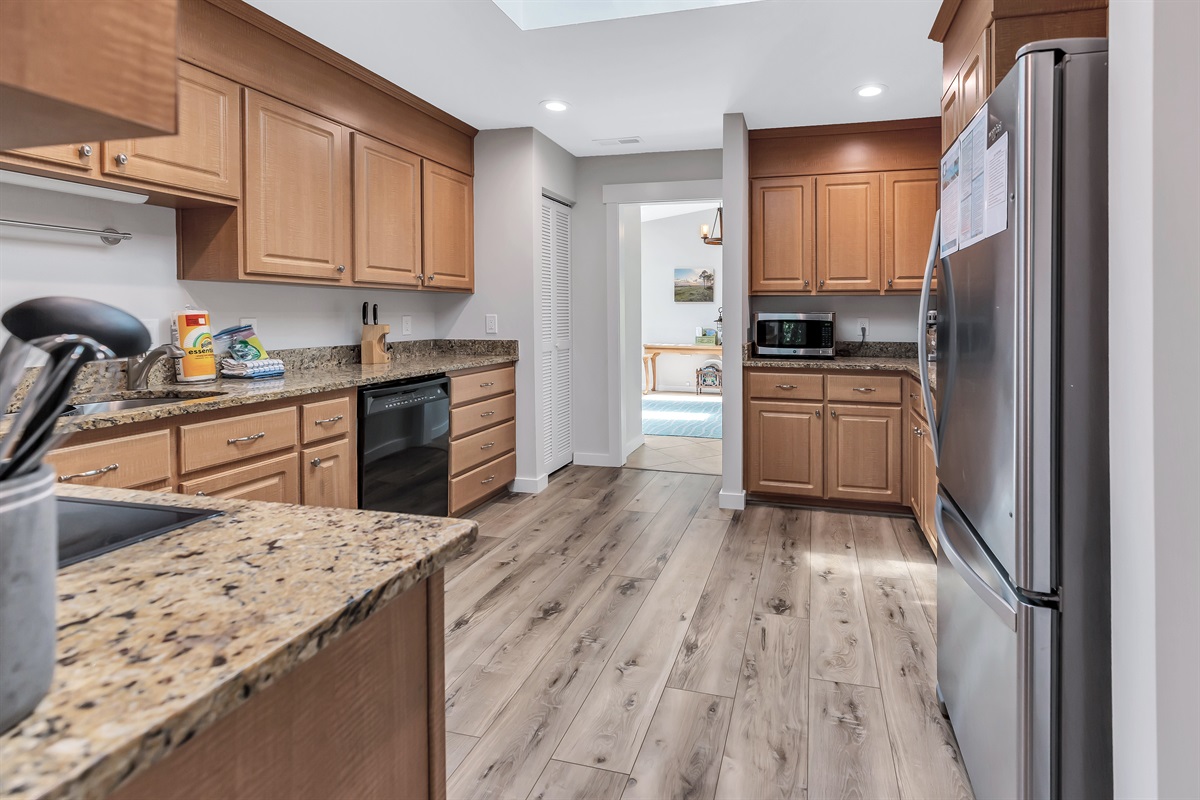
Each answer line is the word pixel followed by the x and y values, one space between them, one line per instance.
pixel 935 245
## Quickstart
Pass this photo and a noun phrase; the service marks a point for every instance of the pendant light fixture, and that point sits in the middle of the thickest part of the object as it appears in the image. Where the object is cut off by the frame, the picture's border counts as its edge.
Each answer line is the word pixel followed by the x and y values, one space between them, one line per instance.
pixel 712 235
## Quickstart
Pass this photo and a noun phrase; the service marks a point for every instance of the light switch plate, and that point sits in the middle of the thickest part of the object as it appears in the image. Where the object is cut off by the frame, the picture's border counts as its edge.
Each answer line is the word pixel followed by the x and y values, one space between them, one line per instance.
pixel 863 322
pixel 491 323
pixel 406 325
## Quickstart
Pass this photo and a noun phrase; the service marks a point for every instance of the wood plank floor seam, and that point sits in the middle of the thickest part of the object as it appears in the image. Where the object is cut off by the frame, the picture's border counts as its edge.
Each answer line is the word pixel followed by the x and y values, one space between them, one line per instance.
pixel 642 642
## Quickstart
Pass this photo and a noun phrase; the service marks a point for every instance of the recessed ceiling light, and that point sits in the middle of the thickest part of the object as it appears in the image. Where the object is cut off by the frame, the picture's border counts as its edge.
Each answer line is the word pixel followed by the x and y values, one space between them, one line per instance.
pixel 555 105
pixel 870 90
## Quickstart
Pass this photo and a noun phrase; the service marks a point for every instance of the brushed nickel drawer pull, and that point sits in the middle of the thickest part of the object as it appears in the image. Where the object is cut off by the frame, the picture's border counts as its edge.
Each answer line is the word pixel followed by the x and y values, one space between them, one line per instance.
pixel 90 473
pixel 489 479
pixel 338 418
pixel 486 385
pixel 252 437
pixel 487 413
pixel 487 446
pixel 785 386
pixel 864 389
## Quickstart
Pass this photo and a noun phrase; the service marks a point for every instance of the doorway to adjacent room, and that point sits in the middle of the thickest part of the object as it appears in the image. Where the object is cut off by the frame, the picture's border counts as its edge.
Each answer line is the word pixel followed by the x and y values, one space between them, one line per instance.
pixel 681 326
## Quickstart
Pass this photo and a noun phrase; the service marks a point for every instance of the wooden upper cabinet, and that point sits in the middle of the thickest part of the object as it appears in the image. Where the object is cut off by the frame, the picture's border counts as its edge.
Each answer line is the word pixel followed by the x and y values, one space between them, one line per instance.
pixel 785 448
pixel 848 235
pixel 951 113
pixel 80 159
pixel 449 221
pixel 206 154
pixel 297 199
pixel 387 213
pixel 863 453
pixel 974 82
pixel 910 201
pixel 72 71
pixel 782 233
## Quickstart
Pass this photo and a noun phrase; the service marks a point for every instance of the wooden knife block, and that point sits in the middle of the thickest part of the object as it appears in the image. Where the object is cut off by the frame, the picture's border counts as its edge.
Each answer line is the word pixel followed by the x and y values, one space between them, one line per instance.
pixel 374 344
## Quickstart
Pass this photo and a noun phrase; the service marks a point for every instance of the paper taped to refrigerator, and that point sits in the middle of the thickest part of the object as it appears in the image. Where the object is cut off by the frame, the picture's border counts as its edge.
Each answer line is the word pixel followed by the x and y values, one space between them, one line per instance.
pixel 996 186
pixel 949 183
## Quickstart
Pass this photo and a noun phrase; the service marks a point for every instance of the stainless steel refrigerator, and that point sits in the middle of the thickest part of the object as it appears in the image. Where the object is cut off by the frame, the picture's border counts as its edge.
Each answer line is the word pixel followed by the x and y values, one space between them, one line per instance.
pixel 1023 647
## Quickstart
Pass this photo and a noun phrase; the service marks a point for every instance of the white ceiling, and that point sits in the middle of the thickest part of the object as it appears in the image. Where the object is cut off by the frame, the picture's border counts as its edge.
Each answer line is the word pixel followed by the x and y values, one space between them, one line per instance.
pixel 532 14
pixel 653 211
pixel 668 78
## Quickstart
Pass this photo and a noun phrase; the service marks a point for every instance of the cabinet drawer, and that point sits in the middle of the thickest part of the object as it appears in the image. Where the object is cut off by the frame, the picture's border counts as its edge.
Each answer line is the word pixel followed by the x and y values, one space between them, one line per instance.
pixel 865 388
pixel 484 414
pixel 276 480
pixel 208 444
pixel 785 385
pixel 478 385
pixel 117 463
pixel 477 448
pixel 912 389
pixel 469 489
pixel 325 419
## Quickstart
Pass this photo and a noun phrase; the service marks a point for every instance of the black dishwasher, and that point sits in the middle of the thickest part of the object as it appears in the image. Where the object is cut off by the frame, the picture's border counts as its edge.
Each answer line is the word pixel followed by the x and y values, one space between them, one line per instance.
pixel 404 447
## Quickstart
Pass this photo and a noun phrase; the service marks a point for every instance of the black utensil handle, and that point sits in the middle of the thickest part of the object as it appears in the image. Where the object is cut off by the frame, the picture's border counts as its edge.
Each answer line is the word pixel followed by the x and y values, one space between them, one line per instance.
pixel 365 313
pixel 375 314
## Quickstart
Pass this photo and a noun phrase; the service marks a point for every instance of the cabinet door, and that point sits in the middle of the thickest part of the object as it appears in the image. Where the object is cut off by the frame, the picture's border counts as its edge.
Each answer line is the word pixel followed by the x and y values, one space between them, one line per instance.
pixel 914 459
pixel 387 213
pixel 974 85
pixel 449 220
pixel 863 453
pixel 785 448
pixel 297 192
pixel 275 480
pixel 206 154
pixel 329 478
pixel 76 159
pixel 848 237
pixel 910 200
pixel 782 230
pixel 951 111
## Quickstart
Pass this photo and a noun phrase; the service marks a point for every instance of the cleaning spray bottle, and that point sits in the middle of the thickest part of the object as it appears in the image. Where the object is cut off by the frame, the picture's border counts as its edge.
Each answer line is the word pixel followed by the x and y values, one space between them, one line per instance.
pixel 190 330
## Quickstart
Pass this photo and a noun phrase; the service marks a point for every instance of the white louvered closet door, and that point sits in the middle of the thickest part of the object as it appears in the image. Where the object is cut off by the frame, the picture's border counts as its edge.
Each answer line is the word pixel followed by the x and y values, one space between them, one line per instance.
pixel 554 336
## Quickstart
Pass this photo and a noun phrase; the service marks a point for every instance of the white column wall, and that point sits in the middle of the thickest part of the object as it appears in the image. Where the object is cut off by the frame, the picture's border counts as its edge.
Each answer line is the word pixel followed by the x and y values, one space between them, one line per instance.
pixel 735 263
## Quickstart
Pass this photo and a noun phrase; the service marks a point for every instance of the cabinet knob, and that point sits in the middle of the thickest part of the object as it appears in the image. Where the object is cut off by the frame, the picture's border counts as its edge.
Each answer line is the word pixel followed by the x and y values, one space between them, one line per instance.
pixel 430 278
pixel 85 150
pixel 201 494
pixel 316 462
pixel 122 159
pixel 822 283
pixel 833 413
pixel 421 277
pixel 341 268
pixel 806 283
pixel 818 413
pixel 920 433
pixel 889 282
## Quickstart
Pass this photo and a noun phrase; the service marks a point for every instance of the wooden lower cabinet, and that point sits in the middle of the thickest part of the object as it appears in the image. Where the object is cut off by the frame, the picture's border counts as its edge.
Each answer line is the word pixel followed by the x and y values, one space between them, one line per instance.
pixel 328 476
pixel 363 718
pixel 276 480
pixel 127 462
pixel 913 463
pixel 483 459
pixel 863 453
pixel 929 486
pixel 785 450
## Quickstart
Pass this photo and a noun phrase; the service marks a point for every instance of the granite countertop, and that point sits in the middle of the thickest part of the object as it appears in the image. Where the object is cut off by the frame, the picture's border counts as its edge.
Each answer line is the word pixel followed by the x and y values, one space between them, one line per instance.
pixel 159 640
pixel 882 356
pixel 307 371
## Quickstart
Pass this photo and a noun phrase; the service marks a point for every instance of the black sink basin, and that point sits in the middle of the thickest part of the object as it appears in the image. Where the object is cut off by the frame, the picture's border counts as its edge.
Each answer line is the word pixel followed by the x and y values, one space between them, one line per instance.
pixel 88 528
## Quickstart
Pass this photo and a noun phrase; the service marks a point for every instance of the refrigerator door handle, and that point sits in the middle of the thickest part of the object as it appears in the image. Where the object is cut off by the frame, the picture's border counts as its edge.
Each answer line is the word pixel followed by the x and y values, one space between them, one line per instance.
pixel 1004 606
pixel 935 245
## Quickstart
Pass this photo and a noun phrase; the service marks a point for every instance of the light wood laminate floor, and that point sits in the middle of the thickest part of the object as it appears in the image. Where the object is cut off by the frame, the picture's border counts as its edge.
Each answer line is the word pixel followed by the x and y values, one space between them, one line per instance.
pixel 620 636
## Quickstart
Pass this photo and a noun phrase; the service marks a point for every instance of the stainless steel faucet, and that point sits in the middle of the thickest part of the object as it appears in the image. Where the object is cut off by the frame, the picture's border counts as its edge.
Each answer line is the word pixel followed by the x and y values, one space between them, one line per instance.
pixel 137 368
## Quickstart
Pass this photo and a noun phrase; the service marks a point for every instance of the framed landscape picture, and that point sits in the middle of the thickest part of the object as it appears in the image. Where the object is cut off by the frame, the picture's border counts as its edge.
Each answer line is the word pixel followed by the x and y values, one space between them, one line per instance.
pixel 694 285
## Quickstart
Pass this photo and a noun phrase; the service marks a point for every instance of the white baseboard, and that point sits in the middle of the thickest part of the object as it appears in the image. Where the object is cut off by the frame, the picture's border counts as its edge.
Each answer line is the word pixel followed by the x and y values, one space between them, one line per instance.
pixel 529 485
pixel 734 501
pixel 598 460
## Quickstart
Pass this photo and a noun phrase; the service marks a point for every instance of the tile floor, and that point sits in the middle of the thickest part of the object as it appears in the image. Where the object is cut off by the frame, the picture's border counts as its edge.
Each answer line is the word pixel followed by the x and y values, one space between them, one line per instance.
pixel 678 454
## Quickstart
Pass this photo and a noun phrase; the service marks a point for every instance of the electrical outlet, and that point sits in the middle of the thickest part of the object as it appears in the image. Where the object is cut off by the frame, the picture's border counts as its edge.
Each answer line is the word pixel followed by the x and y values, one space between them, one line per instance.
pixel 863 326
pixel 491 323
pixel 251 321
pixel 406 325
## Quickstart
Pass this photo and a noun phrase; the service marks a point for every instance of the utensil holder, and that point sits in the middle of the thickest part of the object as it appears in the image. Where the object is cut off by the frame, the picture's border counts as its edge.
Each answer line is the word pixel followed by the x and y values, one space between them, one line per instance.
pixel 28 563
pixel 374 344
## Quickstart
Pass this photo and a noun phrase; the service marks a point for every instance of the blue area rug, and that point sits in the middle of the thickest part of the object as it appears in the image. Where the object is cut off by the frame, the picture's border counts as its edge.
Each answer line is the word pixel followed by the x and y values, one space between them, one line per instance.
pixel 674 417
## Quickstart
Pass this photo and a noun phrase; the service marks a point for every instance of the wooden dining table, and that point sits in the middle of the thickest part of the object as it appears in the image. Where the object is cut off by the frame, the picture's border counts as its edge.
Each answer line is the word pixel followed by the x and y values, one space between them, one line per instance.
pixel 651 352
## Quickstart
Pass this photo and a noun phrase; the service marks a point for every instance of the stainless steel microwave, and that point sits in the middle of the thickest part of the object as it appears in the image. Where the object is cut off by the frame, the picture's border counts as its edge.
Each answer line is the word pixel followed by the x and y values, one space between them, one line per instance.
pixel 798 335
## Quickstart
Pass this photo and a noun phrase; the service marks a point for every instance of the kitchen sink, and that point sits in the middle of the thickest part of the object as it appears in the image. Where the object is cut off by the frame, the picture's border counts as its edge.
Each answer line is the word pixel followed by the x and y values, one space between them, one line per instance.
pixel 104 406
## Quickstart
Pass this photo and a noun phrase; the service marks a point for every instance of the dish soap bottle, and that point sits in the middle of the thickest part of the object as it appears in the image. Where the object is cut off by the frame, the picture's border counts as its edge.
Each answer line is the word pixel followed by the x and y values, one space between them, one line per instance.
pixel 190 330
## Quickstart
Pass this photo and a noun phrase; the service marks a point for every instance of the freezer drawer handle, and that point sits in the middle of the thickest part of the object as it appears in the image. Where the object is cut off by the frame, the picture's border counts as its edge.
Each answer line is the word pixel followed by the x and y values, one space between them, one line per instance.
pixel 986 593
